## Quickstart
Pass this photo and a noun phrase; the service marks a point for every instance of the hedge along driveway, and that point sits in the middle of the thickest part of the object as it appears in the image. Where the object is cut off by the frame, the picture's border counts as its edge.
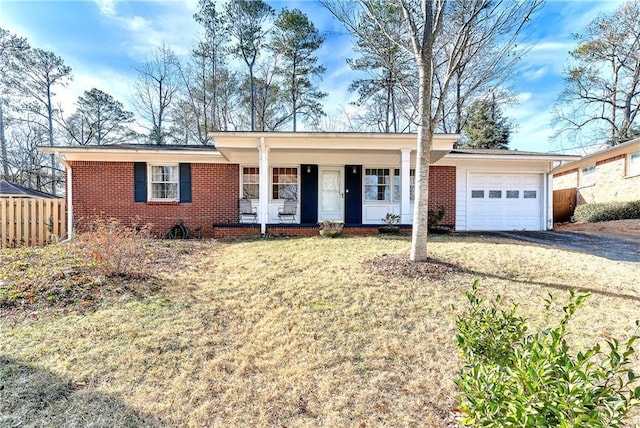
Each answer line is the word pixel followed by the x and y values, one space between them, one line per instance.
pixel 601 245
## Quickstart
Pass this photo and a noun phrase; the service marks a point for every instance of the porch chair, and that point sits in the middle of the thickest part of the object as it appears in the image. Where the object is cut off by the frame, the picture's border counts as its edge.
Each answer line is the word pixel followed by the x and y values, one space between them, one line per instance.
pixel 288 211
pixel 247 211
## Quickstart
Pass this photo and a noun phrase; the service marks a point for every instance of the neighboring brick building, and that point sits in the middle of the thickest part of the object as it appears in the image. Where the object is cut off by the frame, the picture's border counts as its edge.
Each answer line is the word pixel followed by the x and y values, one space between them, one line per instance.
pixel 353 178
pixel 611 175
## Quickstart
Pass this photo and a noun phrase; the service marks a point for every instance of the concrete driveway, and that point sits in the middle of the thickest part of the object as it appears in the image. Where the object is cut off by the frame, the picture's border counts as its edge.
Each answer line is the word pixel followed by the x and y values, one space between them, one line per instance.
pixel 601 245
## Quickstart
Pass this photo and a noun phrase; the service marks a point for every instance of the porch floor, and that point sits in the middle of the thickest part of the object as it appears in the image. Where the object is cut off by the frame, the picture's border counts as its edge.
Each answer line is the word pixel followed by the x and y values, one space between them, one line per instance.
pixel 237 230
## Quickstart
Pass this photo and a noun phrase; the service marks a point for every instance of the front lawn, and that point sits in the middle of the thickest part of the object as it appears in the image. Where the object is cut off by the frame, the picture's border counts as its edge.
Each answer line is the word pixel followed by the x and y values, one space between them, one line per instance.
pixel 277 332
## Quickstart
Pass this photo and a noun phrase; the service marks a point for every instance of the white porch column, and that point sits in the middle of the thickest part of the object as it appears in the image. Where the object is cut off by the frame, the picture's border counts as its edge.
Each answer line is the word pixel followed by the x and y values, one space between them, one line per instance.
pixel 405 186
pixel 264 186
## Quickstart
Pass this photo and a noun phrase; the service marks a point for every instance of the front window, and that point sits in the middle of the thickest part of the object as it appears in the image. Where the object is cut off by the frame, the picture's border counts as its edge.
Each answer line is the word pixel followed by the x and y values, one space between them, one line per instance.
pixel 634 164
pixel 396 184
pixel 164 182
pixel 381 185
pixel 285 183
pixel 377 183
pixel 588 176
pixel 251 183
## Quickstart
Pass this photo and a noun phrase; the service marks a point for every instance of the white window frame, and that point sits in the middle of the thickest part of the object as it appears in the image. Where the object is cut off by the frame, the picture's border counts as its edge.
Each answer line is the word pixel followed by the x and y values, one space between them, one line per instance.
pixel 587 176
pixel 394 186
pixel 389 186
pixel 242 183
pixel 150 182
pixel 633 164
pixel 273 184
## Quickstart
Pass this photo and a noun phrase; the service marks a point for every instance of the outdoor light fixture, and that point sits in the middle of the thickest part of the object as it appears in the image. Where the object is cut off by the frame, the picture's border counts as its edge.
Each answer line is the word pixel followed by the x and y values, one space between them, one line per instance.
pixel 308 169
pixel 354 170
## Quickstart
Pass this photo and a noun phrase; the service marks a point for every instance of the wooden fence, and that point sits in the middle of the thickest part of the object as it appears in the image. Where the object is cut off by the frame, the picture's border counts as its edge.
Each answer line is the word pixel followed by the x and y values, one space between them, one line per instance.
pixel 564 204
pixel 31 221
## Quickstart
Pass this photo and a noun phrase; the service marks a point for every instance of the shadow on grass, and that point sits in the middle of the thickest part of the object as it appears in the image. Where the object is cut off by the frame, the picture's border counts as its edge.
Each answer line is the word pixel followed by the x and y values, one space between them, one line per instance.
pixel 608 247
pixel 561 287
pixel 33 397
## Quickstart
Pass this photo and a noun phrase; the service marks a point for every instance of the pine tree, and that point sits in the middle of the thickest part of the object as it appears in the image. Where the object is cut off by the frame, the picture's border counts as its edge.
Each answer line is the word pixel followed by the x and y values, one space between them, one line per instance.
pixel 486 127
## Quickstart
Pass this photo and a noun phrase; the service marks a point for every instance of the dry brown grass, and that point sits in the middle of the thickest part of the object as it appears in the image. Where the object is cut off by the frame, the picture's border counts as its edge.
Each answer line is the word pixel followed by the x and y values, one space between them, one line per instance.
pixel 296 333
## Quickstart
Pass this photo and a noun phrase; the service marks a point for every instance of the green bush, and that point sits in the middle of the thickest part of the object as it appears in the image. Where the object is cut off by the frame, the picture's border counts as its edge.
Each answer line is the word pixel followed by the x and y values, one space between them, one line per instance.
pixel 513 377
pixel 606 211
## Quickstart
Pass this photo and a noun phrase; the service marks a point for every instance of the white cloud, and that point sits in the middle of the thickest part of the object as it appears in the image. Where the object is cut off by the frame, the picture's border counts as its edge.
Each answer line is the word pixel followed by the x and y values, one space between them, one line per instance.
pixel 107 7
pixel 168 22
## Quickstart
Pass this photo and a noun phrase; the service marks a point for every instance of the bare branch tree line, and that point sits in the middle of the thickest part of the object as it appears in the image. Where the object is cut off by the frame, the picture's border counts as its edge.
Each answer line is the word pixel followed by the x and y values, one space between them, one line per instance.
pixel 274 83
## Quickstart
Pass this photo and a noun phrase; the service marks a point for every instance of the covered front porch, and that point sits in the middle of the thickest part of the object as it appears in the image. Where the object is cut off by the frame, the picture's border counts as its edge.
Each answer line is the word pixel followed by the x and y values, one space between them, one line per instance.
pixel 352 178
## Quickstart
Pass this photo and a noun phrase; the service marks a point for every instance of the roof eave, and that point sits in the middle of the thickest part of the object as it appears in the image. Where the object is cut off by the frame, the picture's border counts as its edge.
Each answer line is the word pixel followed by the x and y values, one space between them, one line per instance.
pixel 510 156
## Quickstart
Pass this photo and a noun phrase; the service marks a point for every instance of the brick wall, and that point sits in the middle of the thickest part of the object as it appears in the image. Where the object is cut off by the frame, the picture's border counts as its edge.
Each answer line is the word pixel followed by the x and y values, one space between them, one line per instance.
pixel 611 183
pixel 566 180
pixel 442 191
pixel 107 188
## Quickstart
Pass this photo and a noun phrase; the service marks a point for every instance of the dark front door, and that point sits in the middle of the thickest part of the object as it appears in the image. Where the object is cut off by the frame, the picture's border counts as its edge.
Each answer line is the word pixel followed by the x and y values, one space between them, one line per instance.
pixel 309 194
pixel 353 194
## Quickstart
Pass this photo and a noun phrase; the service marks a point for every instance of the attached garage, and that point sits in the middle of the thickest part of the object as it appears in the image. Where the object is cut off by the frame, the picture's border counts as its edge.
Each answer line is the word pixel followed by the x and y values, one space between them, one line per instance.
pixel 502 189
pixel 505 201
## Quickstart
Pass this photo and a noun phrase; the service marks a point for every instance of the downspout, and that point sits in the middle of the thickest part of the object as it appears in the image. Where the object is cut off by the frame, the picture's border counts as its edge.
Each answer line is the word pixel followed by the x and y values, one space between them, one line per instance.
pixel 69 196
pixel 549 188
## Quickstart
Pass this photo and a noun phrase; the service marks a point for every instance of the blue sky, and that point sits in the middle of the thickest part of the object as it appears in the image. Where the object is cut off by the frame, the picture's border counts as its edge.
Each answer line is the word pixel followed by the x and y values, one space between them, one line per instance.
pixel 104 40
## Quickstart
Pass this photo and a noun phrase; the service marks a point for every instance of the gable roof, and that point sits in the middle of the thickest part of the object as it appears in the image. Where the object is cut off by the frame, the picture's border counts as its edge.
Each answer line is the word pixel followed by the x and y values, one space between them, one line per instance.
pixel 16 190
pixel 631 146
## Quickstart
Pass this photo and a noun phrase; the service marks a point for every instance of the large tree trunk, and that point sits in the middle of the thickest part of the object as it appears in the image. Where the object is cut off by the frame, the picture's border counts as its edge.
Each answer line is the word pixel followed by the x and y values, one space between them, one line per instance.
pixel 253 98
pixel 423 159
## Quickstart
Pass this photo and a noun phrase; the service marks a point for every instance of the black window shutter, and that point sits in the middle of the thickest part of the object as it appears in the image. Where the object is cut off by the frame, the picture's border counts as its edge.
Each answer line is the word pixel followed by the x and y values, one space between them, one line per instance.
pixel 140 181
pixel 185 182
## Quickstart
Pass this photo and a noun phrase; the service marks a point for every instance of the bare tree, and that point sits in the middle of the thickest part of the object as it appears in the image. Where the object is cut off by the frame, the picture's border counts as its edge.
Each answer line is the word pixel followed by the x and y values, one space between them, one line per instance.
pixel 10 46
pixel 248 18
pixel 438 61
pixel 601 99
pixel 203 74
pixel 388 93
pixel 40 72
pixel 157 85
pixel 29 166
pixel 270 100
pixel 488 63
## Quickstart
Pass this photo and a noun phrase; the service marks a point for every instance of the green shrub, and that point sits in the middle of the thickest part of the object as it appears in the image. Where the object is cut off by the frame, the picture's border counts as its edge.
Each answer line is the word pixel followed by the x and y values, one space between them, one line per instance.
pixel 606 211
pixel 513 377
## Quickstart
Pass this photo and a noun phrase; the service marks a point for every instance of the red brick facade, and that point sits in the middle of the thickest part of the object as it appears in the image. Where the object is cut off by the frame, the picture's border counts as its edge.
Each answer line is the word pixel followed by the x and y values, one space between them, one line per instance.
pixel 107 188
pixel 442 191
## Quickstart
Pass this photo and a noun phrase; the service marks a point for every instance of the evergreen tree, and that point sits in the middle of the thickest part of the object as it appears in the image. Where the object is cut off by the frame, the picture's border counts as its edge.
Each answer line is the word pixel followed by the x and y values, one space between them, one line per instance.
pixel 486 127
pixel 100 119
pixel 295 40
pixel 247 26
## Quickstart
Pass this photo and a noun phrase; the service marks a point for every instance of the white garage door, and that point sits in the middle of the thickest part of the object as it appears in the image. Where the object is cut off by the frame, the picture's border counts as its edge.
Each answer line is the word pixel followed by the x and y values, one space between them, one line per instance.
pixel 504 202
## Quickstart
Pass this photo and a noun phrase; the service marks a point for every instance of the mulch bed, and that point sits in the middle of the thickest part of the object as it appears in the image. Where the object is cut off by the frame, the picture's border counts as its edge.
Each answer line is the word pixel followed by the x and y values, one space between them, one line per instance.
pixel 401 265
